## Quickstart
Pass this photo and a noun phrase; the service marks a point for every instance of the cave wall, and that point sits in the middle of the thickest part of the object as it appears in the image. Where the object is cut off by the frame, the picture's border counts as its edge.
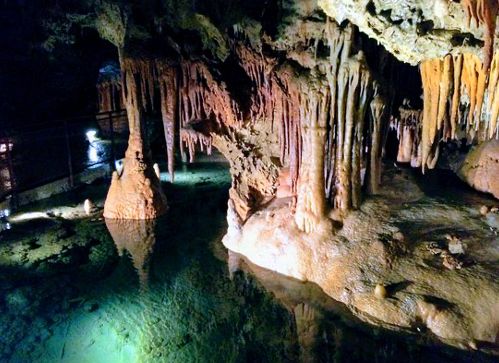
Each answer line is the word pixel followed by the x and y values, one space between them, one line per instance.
pixel 296 97
pixel 305 112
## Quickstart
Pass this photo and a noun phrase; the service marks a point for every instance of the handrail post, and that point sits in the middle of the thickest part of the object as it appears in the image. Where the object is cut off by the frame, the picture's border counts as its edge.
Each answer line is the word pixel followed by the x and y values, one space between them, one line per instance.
pixel 70 159
pixel 12 177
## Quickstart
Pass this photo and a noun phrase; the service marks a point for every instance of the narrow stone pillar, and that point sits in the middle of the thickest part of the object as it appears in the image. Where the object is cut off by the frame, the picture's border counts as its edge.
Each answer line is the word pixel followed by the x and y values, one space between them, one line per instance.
pixel 311 202
pixel 136 193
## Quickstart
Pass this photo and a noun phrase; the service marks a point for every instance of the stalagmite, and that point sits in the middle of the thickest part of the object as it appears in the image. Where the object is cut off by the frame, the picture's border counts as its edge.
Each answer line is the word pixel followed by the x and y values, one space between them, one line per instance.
pixel 136 193
pixel 323 139
pixel 377 109
pixel 310 206
pixel 352 104
pixel 156 170
pixel 408 127
pixel 357 156
pixel 88 206
pixel 339 45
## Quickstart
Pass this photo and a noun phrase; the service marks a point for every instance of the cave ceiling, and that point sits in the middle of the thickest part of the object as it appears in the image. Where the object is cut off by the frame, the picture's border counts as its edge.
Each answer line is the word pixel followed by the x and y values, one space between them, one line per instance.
pixel 411 30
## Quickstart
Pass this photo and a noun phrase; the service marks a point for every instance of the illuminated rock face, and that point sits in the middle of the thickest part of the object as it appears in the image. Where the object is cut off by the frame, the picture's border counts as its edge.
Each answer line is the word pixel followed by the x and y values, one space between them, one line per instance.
pixel 301 112
pixel 311 123
pixel 371 250
pixel 480 169
pixel 136 193
pixel 416 30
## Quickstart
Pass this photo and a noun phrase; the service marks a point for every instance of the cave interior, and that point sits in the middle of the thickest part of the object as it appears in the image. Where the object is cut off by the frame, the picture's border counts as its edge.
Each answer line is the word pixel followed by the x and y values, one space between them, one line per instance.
pixel 332 165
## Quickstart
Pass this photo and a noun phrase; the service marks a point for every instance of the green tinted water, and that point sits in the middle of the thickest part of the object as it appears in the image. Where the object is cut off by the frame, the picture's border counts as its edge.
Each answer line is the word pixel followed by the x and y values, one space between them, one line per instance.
pixel 89 290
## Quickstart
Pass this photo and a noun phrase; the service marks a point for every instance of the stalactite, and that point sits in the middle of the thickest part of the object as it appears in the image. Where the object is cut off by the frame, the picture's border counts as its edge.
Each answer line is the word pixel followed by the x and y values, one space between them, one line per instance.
pixel 287 97
pixel 322 134
pixel 276 98
pixel 458 65
pixel 202 97
pixel 483 12
pixel 377 108
pixel 167 79
pixel 493 97
pixel 259 69
pixel 104 90
pixel 339 44
pixel 357 157
pixel 145 71
pixel 465 78
pixel 109 95
pixel 354 86
pixel 409 129
pixel 190 138
pixel 310 206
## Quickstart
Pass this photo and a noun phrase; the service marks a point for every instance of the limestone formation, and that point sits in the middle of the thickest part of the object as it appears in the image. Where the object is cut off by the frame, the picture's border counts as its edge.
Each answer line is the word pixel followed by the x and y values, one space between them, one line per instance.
pixel 300 99
pixel 88 206
pixel 480 169
pixel 136 193
pixel 417 30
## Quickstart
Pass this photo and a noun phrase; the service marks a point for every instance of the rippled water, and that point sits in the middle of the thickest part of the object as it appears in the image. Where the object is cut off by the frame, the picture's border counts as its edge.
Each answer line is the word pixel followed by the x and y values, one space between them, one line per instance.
pixel 167 291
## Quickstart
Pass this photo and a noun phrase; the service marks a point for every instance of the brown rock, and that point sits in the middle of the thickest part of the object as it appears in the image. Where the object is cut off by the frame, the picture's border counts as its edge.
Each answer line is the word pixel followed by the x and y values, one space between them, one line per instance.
pixel 480 169
pixel 484 210
pixel 380 291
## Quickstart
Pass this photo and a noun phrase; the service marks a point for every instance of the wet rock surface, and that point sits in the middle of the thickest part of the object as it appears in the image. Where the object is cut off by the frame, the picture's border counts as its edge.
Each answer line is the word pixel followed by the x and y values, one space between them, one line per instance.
pixel 443 293
pixel 169 299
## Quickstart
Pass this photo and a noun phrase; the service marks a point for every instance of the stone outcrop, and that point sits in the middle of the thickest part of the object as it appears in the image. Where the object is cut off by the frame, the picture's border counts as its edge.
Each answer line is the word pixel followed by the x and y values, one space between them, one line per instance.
pixel 369 251
pixel 415 30
pixel 480 168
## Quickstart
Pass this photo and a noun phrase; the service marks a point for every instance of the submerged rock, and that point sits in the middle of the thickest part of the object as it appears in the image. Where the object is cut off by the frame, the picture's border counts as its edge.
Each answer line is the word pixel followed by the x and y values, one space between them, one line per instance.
pixel 88 206
pixel 16 301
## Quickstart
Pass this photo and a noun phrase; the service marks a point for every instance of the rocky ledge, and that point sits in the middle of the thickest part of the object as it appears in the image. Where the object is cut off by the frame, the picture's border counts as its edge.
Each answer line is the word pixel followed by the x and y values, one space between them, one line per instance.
pixel 404 261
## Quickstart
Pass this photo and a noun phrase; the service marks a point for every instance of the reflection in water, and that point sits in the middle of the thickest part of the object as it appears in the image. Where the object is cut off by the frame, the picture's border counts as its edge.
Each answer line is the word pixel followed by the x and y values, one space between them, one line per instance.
pixel 234 263
pixel 307 320
pixel 201 303
pixel 326 331
pixel 137 237
pixel 300 299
